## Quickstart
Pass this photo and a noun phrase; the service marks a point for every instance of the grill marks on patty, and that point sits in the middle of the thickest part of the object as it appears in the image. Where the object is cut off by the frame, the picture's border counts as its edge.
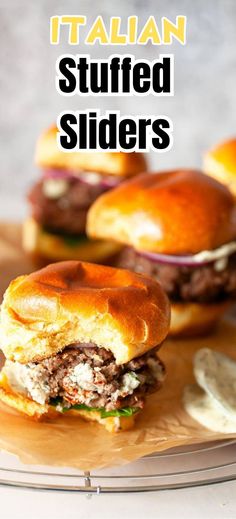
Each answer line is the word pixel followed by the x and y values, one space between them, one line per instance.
pixel 89 375
pixel 66 213
pixel 201 284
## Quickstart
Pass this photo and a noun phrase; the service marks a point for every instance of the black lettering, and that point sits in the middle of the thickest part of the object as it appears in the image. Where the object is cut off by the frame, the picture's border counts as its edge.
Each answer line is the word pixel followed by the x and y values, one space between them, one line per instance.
pixel 127 134
pixel 161 76
pixel 115 67
pixel 92 130
pixel 82 67
pixel 126 67
pixel 162 141
pixel 99 79
pixel 141 78
pixel 107 133
pixel 69 141
pixel 67 85
pixel 82 131
pixel 142 130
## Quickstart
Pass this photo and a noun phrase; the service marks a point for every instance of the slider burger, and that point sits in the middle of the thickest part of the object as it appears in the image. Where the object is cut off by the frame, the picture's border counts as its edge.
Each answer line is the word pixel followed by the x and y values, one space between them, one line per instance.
pixel 61 199
pixel 82 338
pixel 180 228
pixel 220 163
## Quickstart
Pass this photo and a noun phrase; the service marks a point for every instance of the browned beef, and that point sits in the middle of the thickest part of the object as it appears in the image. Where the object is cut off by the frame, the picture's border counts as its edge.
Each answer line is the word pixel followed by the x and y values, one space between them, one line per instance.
pixel 202 284
pixel 107 377
pixel 68 212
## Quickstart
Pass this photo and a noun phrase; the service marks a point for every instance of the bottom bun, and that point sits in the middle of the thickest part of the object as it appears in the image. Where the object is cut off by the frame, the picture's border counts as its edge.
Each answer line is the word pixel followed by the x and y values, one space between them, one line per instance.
pixel 40 243
pixel 111 424
pixel 37 411
pixel 193 319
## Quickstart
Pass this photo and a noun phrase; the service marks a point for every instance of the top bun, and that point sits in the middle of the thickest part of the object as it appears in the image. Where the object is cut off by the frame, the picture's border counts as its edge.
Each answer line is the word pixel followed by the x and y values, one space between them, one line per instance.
pixel 220 162
pixel 177 212
pixel 48 155
pixel 71 302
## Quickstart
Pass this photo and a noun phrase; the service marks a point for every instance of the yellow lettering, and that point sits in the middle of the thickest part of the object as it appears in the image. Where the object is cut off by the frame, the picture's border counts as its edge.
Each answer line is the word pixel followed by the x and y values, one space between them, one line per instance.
pixel 97 32
pixel 132 28
pixel 177 30
pixel 150 32
pixel 116 37
pixel 54 30
pixel 74 22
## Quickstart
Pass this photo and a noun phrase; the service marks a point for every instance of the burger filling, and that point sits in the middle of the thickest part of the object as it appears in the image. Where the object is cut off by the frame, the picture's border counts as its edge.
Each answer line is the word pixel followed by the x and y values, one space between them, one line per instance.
pixel 84 376
pixel 212 282
pixel 60 205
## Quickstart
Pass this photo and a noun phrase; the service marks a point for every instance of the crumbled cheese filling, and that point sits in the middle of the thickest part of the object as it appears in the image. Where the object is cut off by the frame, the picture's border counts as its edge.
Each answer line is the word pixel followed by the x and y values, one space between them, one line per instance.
pixel 55 187
pixel 33 380
pixel 27 380
pixel 130 382
pixel 156 369
pixel 82 375
pixel 91 177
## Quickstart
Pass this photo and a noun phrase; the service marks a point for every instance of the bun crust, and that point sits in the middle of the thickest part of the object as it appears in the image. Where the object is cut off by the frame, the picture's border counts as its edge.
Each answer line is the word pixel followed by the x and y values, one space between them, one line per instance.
pixel 193 319
pixel 38 242
pixel 44 412
pixel 220 163
pixel 177 212
pixel 72 302
pixel 21 403
pixel 48 155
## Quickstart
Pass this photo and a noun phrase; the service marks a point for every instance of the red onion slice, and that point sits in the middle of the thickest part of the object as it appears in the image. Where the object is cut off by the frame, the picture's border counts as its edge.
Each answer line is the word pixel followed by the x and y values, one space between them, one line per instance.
pixel 201 258
pixel 81 345
pixel 58 173
pixel 105 181
pixel 108 182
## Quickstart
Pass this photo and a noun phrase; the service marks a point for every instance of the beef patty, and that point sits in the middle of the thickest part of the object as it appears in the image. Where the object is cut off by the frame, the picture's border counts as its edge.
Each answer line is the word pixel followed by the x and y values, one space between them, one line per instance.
pixel 201 284
pixel 66 212
pixel 86 374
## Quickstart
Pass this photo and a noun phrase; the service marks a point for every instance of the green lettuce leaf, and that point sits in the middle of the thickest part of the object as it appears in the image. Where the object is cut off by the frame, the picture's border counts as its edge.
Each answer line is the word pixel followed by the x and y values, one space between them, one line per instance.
pixel 126 411
pixel 72 240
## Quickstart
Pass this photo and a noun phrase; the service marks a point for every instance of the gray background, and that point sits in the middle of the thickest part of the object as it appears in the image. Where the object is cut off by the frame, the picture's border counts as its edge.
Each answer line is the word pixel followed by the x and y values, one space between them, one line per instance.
pixel 203 108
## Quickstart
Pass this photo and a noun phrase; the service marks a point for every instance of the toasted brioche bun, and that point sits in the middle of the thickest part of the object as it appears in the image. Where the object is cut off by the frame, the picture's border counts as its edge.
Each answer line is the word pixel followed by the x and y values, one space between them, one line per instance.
pixel 220 163
pixel 38 242
pixel 176 212
pixel 71 302
pixel 192 319
pixel 48 155
pixel 37 411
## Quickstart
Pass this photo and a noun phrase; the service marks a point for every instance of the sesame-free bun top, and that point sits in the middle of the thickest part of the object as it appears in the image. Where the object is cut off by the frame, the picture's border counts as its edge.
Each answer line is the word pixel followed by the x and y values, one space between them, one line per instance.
pixel 175 212
pixel 71 302
pixel 220 162
pixel 121 164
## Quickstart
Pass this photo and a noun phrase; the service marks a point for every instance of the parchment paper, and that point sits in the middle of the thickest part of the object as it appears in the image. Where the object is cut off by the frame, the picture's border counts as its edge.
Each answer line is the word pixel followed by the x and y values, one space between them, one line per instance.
pixel 72 442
